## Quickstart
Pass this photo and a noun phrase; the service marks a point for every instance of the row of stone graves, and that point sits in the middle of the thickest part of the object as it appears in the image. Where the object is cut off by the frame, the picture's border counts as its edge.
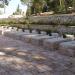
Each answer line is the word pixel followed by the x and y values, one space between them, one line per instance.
pixel 54 42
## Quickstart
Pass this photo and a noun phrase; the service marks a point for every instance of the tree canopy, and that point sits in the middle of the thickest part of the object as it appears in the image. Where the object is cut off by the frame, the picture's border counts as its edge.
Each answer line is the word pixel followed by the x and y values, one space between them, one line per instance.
pixel 54 5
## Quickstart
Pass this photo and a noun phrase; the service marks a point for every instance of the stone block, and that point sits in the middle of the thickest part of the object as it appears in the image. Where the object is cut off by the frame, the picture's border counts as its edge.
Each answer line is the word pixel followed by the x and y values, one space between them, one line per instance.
pixel 27 31
pixel 53 44
pixel 18 36
pixel 55 34
pixel 28 37
pixel 70 36
pixel 14 29
pixel 43 32
pixel 19 30
pixel 34 31
pixel 10 28
pixel 67 48
pixel 38 40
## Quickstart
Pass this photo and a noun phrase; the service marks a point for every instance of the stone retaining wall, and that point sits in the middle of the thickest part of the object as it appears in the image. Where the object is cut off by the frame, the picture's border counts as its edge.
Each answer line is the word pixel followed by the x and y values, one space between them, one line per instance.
pixel 54 19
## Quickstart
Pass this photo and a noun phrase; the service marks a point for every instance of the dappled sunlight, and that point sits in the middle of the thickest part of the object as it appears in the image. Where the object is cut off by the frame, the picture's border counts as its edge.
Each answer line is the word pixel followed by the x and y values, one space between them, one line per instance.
pixel 22 53
pixel 20 63
pixel 38 57
pixel 9 49
pixel 2 53
pixel 13 62
pixel 12 59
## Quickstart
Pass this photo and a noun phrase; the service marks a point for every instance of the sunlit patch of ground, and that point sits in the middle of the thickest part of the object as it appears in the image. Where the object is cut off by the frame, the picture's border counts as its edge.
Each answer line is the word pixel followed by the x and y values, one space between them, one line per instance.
pixel 18 58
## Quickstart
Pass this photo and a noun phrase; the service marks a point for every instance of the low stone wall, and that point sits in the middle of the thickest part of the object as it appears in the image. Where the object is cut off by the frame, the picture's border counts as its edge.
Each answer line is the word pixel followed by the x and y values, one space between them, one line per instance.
pixel 57 28
pixel 54 19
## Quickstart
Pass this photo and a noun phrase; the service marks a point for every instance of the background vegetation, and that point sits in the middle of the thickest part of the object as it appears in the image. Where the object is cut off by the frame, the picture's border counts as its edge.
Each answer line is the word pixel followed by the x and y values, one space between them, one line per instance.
pixel 58 6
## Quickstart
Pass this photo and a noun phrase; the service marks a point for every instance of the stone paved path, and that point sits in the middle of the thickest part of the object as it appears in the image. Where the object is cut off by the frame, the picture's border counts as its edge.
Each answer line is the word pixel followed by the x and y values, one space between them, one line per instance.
pixel 18 58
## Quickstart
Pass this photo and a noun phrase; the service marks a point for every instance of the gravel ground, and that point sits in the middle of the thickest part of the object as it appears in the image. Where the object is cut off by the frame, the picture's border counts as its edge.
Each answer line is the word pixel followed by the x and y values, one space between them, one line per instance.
pixel 18 58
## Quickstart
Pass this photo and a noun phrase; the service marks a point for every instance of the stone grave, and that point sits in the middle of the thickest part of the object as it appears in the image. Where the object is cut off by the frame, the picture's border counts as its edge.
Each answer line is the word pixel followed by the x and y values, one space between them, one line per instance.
pixel 43 32
pixel 69 36
pixel 67 48
pixel 19 30
pixel 28 37
pixel 53 44
pixel 55 34
pixel 34 31
pixel 14 29
pixel 38 40
pixel 27 31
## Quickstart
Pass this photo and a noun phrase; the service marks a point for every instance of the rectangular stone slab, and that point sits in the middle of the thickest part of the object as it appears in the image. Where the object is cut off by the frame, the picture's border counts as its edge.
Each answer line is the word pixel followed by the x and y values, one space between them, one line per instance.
pixel 53 44
pixel 27 38
pixel 39 39
pixel 15 35
pixel 55 34
pixel 67 48
pixel 18 36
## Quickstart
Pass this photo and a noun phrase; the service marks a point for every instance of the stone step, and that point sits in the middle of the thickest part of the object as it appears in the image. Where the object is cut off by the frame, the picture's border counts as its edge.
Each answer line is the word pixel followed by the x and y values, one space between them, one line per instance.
pixel 53 44
pixel 67 48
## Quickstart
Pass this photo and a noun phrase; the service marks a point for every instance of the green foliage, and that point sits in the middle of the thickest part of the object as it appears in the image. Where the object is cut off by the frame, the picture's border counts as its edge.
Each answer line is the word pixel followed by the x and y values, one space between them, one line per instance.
pixel 1 6
pixel 58 6
pixel 25 1
pixel 37 5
